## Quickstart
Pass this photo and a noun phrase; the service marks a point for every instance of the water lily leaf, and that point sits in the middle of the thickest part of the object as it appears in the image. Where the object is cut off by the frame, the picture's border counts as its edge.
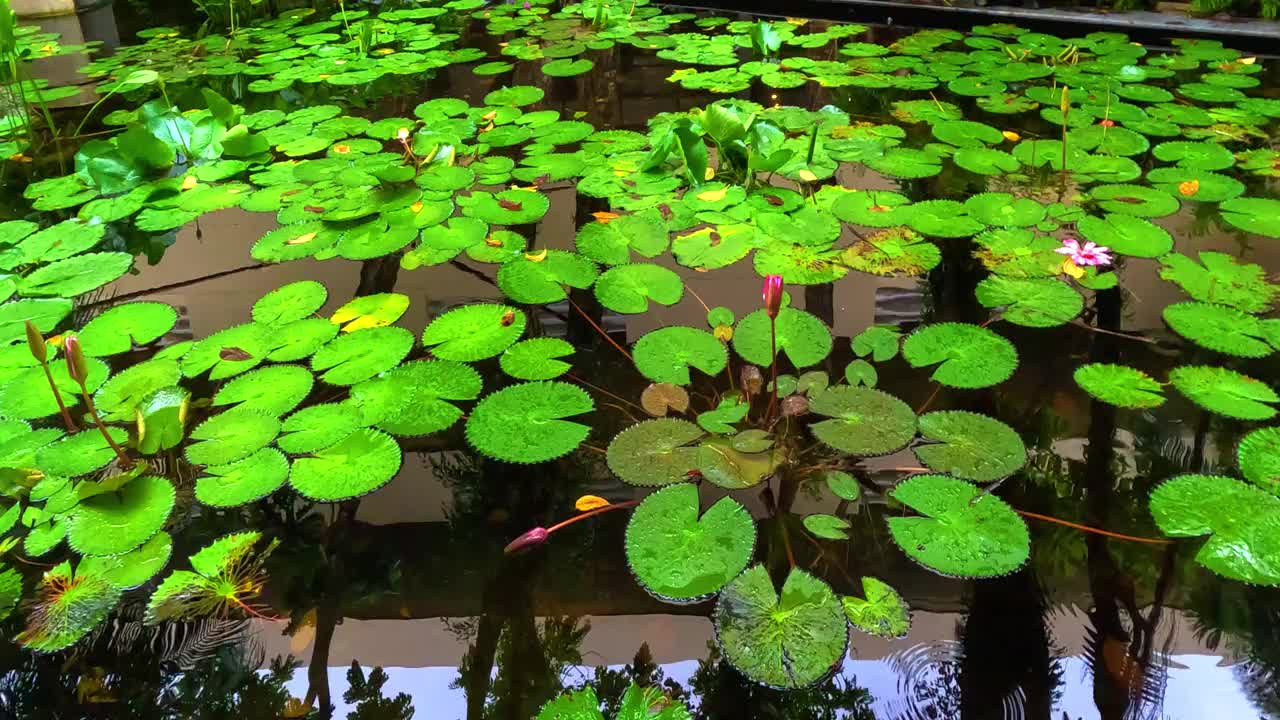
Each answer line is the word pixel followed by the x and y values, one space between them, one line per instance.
pixel 1119 385
pixel 629 288
pixel 45 314
pixel 800 335
pixel 1195 155
pixel 680 556
pixel 970 357
pixel 289 303
pixel 1221 328
pixel 524 423
pixel 943 218
pixel 666 354
pixel 1134 200
pixel 882 613
pixel 244 481
pixel 442 243
pixel 348 359
pixel 1241 520
pixel 542 278
pixel 535 359
pixel 1255 215
pixel 1225 392
pixel 115 523
pixel 411 400
pixel 231 435
pixel 228 352
pixel 720 420
pixel 843 485
pixel 792 640
pixel 133 568
pixel 966 133
pixel 1032 302
pixel 65 608
pixel 370 311
pixel 861 372
pixel 873 208
pixel 120 328
pixel 863 421
pixel 752 441
pixel 986 161
pixel 1126 235
pixel 26 396
pixel 225 576
pixel 611 242
pixel 515 96
pixel 565 67
pixel 474 332
pixel 1221 278
pixel 300 339
pixel 906 163
pixel 317 427
pixel 1018 252
pixel 357 465
pixel 79 454
pixel 723 465
pixel 655 452
pixel 293 242
pixel 955 534
pixel 56 242
pixel 76 275
pixel 509 207
pixel 828 527
pixel 895 251
pixel 881 342
pixel 970 446
pixel 710 248
pixel 1259 456
pixel 271 390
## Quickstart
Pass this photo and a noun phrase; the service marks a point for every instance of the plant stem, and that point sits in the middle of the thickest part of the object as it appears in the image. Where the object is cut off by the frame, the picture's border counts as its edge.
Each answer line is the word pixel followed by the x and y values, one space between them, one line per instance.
pixel 599 329
pixel 773 353
pixel 62 408
pixel 583 516
pixel 102 428
pixel 1099 531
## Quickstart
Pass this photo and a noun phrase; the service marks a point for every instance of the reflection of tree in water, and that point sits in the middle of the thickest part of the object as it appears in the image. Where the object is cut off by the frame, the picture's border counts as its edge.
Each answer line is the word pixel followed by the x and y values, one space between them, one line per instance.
pixel 724 694
pixel 531 660
pixel 1242 621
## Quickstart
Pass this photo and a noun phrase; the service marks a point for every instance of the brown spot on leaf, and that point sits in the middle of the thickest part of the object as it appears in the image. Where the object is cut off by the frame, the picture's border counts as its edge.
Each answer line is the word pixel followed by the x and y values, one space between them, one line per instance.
pixel 234 354
pixel 773 200
pixel 508 317
pixel 510 205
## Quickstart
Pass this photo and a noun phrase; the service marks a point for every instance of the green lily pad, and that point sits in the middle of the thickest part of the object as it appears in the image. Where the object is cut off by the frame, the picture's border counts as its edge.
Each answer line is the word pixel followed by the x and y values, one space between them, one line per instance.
pixel 271 390
pixel 1255 215
pixel 115 523
pixel 628 289
pixel 228 352
pixel 986 161
pixel 565 67
pixel 133 568
pixel 120 328
pixel 789 641
pixel 1196 155
pixel 1259 457
pixel 879 341
pixel 1119 385
pixel 827 527
pixel 79 454
pixel 957 533
pixel 873 208
pixel 611 243
pixel 655 452
pixel 65 608
pixel 524 423
pixel 360 355
pixel 966 133
pixel 230 436
pixel 666 354
pixel 508 207
pixel 863 421
pixel 1243 523
pixel 882 612
pixel 1126 235
pixel 906 163
pixel 243 481
pixel 1135 200
pixel 413 399
pixel 26 396
pixel 967 356
pixel 680 555
pixel 970 446
pixel 474 332
pixel 536 359
pixel 1225 392
pixel 1221 278
pixel 1221 328
pixel 541 278
pixel 801 336
pixel 76 275
pixel 357 465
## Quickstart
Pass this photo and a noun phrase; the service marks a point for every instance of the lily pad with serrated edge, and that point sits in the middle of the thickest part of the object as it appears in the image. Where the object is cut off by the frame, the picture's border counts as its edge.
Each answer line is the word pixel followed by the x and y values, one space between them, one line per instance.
pixel 273 390
pixel 370 311
pixel 1243 523
pixel 524 423
pixel 301 339
pixel 231 435
pixel 1259 457
pixel 843 485
pixel 1260 216
pixel 133 568
pixel 115 523
pixel 44 313
pixel 970 446
pixel 882 612
pixel 566 67
pixel 413 399
pixel 1004 210
pixel 628 289
pixel 1195 155
pixel 1119 385
pixel 906 163
pixel 536 359
pixel 1126 235
pixel 827 527
pixel 1136 200
pixel 228 352
pixel 349 359
pixel 666 354
pixel 1032 302
pixel 863 421
pixel 64 609
pixel 243 481
pixel 317 427
pixel 1225 392
pixel 967 356
pixel 1220 328
pixel 357 465
pixel 1221 278
pixel 474 332
pixel 76 275
pixel 508 207
pixel 541 278
pixel 801 336
pixel 79 454
pixel 26 395
pixel 291 302
pixel 786 641
pixel 644 233
pixel 879 341
pixel 956 535
pixel 873 208
pixel 655 452
pixel 120 328
pixel 681 555
pixel 966 133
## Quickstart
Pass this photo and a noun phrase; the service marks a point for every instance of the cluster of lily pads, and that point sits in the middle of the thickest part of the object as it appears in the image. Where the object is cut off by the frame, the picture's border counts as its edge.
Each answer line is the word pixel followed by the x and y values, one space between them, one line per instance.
pixel 1109 137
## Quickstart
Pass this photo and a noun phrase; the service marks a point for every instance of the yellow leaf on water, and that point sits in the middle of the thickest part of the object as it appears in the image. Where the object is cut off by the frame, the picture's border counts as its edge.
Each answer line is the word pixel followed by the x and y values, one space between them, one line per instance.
pixel 1248 60
pixel 417 207
pixel 1072 269
pixel 1189 188
pixel 536 257
pixel 724 333
pixel 590 502
pixel 369 311
pixel 712 195
pixel 1011 136
pixel 807 175
pixel 709 173
pixel 797 21
pixel 604 217
pixel 302 239
pixel 189 182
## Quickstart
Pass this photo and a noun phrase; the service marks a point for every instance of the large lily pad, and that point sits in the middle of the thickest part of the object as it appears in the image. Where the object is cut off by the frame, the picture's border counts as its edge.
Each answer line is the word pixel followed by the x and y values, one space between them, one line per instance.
pixel 967 356
pixel 958 533
pixel 666 354
pixel 474 332
pixel 1119 385
pixel 801 336
pixel 656 452
pixel 357 465
pixel 863 421
pixel 882 612
pixel 1225 392
pixel 1243 523
pixel 970 445
pixel 115 523
pixel 524 423
pixel 415 398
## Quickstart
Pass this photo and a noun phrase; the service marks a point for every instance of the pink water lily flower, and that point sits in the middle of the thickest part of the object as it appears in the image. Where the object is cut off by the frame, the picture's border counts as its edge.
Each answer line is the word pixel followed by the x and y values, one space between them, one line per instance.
pixel 1090 253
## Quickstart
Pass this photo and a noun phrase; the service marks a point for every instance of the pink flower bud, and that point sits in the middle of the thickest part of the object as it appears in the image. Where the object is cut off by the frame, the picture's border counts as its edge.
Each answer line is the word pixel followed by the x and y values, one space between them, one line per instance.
pixel 76 366
pixel 531 539
pixel 772 295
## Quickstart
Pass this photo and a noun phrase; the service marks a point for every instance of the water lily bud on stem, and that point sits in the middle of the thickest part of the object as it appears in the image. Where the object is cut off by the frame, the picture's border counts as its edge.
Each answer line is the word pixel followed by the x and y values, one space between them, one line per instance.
pixel 772 295
pixel 76 366
pixel 530 539
pixel 35 341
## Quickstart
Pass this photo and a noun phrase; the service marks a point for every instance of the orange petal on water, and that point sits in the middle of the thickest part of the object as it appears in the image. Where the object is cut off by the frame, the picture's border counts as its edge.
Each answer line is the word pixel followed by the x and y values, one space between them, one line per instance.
pixel 189 182
pixel 1072 269
pixel 590 502
pixel 1011 136
pixel 1189 188
pixel 605 217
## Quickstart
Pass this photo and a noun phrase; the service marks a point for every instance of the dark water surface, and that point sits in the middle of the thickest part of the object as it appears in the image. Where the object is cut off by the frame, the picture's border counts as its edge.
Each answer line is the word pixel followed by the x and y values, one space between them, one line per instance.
pixel 412 579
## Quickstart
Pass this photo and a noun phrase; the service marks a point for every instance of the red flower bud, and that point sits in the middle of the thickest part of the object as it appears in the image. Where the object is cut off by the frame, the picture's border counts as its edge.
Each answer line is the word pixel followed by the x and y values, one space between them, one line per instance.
pixel 531 539
pixel 76 366
pixel 772 295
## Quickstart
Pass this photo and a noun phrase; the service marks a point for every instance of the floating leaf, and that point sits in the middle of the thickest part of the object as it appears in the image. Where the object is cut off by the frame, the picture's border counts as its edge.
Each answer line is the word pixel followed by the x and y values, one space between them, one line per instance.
pixel 1033 302
pixel 828 527
pixel 958 534
pixel 115 523
pixel 679 555
pixel 1119 385
pixel 133 568
pixel 252 341
pixel 970 446
pixel 1242 521
pixel 666 354
pixel 79 454
pixel 120 328
pixel 1259 456
pixel 348 359
pixel 535 359
pixel 370 311
pixel 874 208
pixel 226 575
pixel 1255 215
pixel 789 641
pixel 1126 235
pixel 1220 278
pixel 542 278
pixel 231 435
pixel 243 481
pixel 523 423
pixel 881 342
pixel 629 288
pixel 271 390
pixel 612 242
pixel 864 421
pixel 65 608
pixel 1225 392
pixel 970 356
pixel 1221 328
pixel 1134 200
pixel 76 275
pixel 882 613
pixel 896 251
pixel 412 400
pixel 357 465
pixel 658 399
pixel 800 335
pixel 655 452
pixel 291 302
pixel 474 332
pixel 26 396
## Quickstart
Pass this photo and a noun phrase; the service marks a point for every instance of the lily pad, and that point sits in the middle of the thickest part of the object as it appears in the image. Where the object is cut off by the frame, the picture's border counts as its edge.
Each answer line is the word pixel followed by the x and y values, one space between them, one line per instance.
pixel 1119 385
pixel 271 390
pixel 243 481
pixel 967 356
pixel 1126 235
pixel 1032 302
pixel 120 328
pixel 1255 215
pixel 655 452
pixel 115 523
pixel 536 359
pixel 65 608
pixel 882 612
pixel 863 421
pixel 414 399
pixel 644 233
pixel 1221 328
pixel 541 278
pixel 348 359
pixel 666 354
pixel 970 446
pixel 1243 523
pixel 1225 392
pixel 628 289
pixel 524 423
pixel 357 465
pixel 230 436
pixel 801 336
pixel 958 533
pixel 133 568
pixel 1259 456
pixel 1221 278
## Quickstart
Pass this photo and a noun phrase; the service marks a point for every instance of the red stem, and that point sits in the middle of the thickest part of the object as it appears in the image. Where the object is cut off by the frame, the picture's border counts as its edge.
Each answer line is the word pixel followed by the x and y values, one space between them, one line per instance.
pixel 1099 531
pixel 599 329
pixel 773 353
pixel 66 415
pixel 583 516
pixel 93 412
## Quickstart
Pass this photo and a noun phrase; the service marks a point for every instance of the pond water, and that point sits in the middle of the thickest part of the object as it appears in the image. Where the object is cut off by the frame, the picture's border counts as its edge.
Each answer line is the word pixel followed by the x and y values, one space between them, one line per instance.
pixel 1070 543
